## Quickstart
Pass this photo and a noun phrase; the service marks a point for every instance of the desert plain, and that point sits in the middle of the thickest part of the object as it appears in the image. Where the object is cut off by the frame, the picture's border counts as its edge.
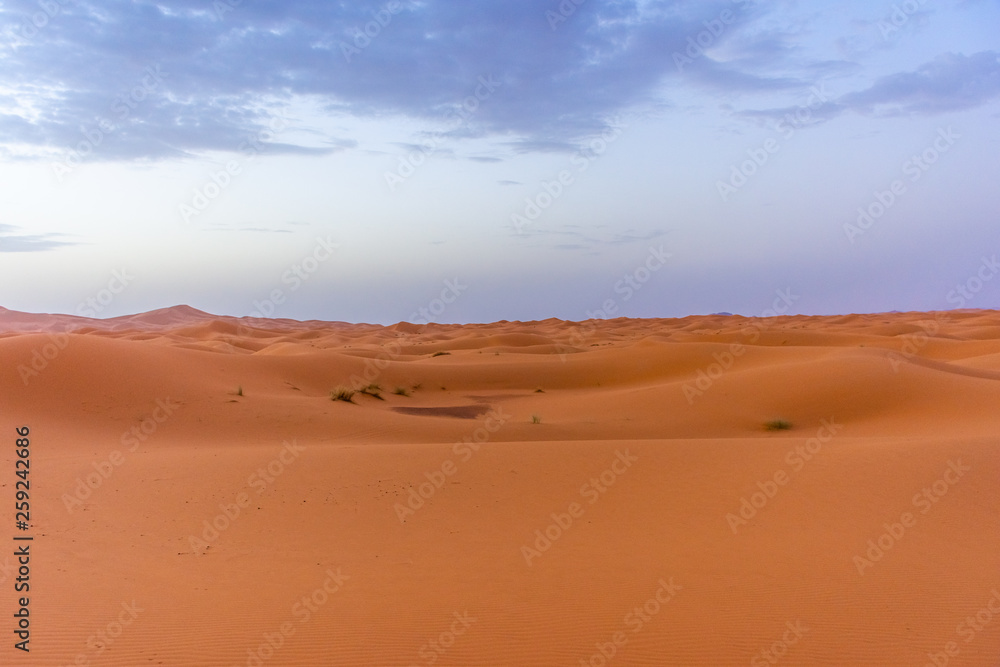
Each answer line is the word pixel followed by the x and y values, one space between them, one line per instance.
pixel 711 490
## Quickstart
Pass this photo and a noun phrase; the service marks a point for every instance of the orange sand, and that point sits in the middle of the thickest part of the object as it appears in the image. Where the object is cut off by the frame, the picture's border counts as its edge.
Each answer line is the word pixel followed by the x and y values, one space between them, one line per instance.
pixel 668 413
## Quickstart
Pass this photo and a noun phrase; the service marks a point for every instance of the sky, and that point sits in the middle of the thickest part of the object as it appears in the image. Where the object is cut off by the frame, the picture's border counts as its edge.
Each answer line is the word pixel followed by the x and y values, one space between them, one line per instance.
pixel 433 160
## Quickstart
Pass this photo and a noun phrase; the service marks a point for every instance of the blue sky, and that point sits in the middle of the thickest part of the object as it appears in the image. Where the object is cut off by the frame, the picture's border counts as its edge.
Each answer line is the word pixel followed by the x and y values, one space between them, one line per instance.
pixel 478 161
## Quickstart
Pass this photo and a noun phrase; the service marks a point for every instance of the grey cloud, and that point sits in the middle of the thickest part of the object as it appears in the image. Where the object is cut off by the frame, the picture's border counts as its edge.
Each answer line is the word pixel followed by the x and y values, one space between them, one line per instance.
pixel 950 82
pixel 11 241
pixel 496 68
pixel 174 78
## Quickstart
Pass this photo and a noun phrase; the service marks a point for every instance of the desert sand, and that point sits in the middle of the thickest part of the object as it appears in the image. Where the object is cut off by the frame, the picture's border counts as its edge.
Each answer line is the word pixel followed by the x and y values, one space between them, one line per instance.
pixel 544 493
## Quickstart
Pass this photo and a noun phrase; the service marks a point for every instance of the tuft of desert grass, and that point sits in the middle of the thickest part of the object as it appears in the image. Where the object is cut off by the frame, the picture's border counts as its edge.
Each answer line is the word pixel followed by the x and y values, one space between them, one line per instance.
pixel 778 425
pixel 536 419
pixel 342 394
pixel 401 391
pixel 373 390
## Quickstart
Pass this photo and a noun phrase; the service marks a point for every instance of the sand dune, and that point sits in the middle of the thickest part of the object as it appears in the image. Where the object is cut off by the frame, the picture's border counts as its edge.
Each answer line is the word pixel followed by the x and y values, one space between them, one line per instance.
pixel 515 493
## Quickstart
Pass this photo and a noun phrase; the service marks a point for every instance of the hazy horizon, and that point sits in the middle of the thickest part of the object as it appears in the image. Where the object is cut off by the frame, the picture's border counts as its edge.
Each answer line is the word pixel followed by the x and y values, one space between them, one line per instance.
pixel 769 312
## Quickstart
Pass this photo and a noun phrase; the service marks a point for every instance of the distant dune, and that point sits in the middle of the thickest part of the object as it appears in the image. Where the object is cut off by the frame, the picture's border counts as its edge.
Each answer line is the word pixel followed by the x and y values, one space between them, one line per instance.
pixel 710 490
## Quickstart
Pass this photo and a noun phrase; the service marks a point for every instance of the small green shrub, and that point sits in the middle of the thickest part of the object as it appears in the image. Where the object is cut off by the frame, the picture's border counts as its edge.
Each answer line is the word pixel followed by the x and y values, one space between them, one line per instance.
pixel 778 425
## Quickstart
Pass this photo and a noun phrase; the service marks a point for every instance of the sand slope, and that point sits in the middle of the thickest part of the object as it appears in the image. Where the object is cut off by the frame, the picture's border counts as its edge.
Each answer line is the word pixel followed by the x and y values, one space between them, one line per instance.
pixel 650 471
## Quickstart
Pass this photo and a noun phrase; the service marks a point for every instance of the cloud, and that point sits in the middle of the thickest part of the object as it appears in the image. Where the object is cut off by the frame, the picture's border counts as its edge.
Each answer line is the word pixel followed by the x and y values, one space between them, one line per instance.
pixel 219 227
pixel 891 25
pixel 584 238
pixel 950 82
pixel 10 241
pixel 153 79
pixel 172 78
pixel 628 236
pixel 522 146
